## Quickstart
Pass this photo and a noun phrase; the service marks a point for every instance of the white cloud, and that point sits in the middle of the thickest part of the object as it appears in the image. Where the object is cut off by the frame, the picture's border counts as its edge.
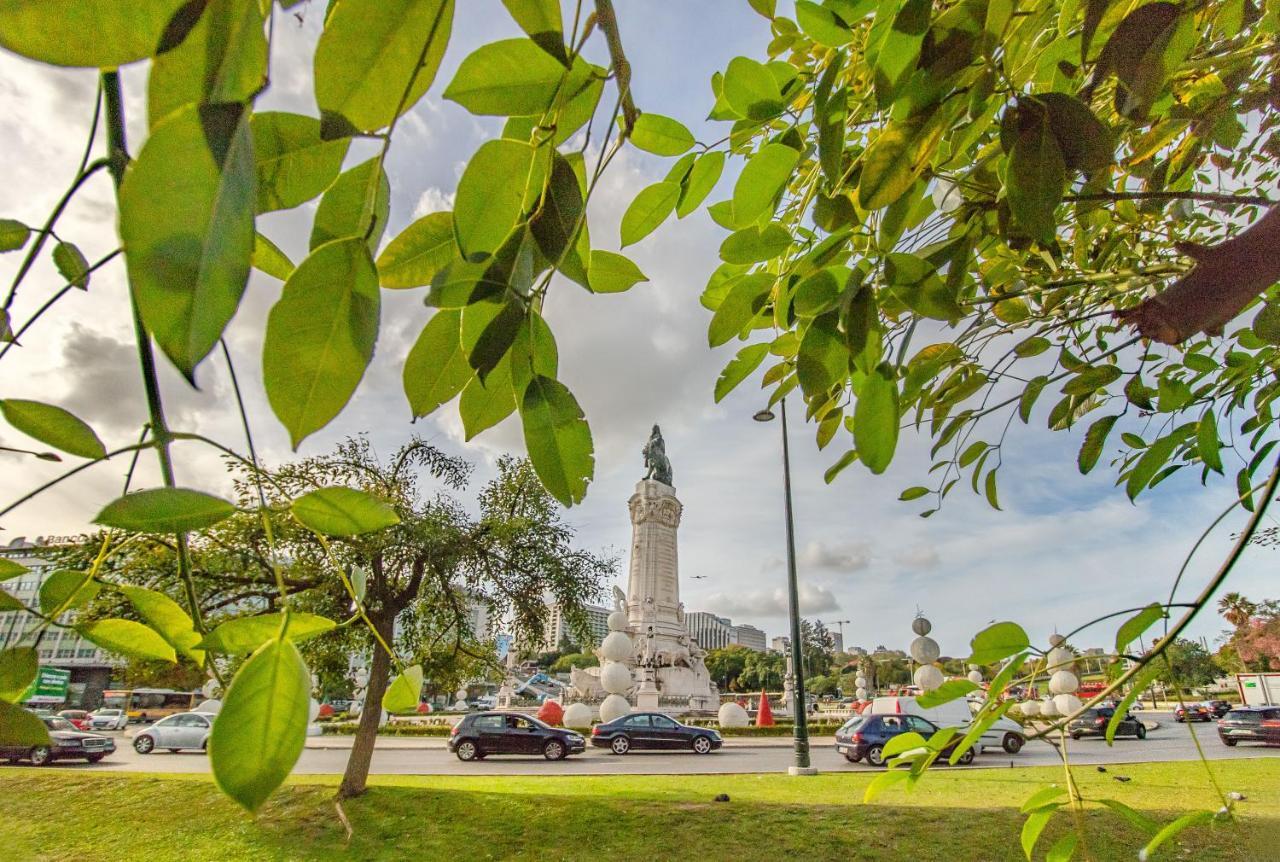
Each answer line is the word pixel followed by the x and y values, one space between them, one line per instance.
pixel 433 200
pixel 814 599
pixel 847 557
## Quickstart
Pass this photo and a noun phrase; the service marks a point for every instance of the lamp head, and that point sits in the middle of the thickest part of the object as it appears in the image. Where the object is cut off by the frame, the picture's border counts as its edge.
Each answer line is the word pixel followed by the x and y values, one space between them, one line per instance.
pixel 765 415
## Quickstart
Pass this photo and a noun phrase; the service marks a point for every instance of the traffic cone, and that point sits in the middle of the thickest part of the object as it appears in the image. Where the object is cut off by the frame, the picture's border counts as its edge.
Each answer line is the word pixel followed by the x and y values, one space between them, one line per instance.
pixel 764 715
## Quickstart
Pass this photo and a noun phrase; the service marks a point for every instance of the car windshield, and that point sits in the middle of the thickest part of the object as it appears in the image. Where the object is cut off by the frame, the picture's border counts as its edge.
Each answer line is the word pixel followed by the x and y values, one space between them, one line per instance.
pixel 1247 716
pixel 111 713
pixel 56 723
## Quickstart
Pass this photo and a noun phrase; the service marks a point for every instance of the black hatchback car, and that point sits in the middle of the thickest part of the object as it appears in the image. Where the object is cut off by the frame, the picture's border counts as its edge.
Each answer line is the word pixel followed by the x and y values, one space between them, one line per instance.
pixel 654 731
pixel 1094 721
pixel 866 735
pixel 483 733
pixel 1250 724
pixel 68 744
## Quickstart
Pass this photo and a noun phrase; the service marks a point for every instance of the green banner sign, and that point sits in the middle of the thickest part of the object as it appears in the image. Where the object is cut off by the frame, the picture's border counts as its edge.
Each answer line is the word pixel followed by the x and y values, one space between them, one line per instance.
pixel 49 686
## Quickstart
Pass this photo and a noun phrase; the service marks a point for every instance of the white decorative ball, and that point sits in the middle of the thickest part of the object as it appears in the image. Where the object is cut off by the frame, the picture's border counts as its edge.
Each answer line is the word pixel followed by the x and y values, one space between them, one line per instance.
pixel 1066 704
pixel 614 706
pixel 861 694
pixel 732 715
pixel 313 709
pixel 617 621
pixel 212 706
pixel 616 646
pixel 1063 682
pixel 1056 640
pixel 1060 658
pixel 928 677
pixel 925 650
pixel 860 681
pixel 975 677
pixel 921 626
pixel 578 715
pixel 1047 708
pixel 615 677
pixel 460 694
pixel 1030 708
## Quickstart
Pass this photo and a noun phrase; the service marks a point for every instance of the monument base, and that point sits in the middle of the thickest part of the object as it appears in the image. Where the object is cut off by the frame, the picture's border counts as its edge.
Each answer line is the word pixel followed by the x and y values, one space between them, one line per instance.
pixel 647 700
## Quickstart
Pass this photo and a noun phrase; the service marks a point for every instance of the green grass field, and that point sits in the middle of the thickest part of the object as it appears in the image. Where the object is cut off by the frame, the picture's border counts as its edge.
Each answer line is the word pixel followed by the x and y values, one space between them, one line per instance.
pixel 57 814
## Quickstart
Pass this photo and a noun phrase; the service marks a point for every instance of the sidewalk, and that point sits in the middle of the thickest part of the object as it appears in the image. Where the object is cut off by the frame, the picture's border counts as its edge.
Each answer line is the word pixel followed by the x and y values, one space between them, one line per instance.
pixel 428 743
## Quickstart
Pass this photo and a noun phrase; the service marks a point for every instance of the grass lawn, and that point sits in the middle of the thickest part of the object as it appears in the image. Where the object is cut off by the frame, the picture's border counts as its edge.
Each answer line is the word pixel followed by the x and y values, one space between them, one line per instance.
pixel 53 814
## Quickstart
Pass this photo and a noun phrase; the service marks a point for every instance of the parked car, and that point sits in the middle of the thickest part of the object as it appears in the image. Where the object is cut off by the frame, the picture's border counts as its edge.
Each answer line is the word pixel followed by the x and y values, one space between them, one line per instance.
pixel 638 731
pixel 1219 708
pixel 79 718
pixel 1192 712
pixel 182 730
pixel 480 734
pixel 1250 724
pixel 108 719
pixel 1094 721
pixel 67 744
pixel 1004 733
pixel 866 735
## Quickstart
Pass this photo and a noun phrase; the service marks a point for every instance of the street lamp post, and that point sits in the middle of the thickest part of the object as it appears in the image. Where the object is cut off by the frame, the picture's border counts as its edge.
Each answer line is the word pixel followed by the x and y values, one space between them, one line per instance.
pixel 801 727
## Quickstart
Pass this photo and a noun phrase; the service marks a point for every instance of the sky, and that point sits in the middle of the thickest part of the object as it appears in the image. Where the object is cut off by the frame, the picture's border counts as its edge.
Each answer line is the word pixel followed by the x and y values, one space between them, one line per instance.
pixel 1064 550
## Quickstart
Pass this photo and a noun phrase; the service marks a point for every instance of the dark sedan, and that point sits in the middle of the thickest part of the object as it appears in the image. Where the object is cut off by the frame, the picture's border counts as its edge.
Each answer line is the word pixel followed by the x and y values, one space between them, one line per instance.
pixel 480 734
pixel 1094 721
pixel 653 731
pixel 1192 712
pixel 1219 708
pixel 67 744
pixel 1250 724
pixel 866 735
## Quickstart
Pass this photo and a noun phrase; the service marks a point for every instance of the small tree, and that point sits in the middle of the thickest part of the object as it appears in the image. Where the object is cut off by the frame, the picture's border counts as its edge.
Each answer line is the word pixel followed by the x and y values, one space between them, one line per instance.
pixel 726 664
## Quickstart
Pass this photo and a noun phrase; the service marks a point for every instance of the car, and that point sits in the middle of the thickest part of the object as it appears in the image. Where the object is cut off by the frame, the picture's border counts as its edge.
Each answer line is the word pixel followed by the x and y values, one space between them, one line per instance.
pixel 182 730
pixel 67 744
pixel 108 719
pixel 1219 708
pixel 79 718
pixel 1094 721
pixel 653 731
pixel 480 734
pixel 1004 733
pixel 1192 712
pixel 865 737
pixel 1250 724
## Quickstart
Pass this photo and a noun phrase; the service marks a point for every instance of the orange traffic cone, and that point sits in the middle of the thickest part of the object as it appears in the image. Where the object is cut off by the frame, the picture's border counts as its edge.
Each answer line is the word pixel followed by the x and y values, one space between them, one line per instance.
pixel 764 715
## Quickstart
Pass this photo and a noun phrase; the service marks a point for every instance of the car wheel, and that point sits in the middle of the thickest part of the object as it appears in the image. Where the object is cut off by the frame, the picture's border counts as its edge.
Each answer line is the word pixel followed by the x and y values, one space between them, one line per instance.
pixel 620 745
pixel 966 758
pixel 1229 743
pixel 852 758
pixel 554 750
pixel 1012 743
pixel 466 751
pixel 875 755
pixel 1178 719
pixel 702 745
pixel 144 744
pixel 1075 736
pixel 1141 732
pixel 40 755
pixel 94 758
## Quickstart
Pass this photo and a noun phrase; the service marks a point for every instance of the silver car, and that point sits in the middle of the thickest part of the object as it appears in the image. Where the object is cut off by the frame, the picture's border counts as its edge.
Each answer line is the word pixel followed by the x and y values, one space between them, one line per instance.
pixel 108 719
pixel 175 732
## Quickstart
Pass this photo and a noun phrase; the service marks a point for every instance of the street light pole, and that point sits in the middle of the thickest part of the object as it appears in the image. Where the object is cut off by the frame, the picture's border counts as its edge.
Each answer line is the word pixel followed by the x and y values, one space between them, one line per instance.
pixel 801 726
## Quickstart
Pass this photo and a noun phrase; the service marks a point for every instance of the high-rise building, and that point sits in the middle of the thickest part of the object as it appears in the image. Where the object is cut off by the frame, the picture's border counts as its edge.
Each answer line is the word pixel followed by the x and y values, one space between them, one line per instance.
pixel 748 636
pixel 837 638
pixel 558 629
pixel 710 631
pixel 780 644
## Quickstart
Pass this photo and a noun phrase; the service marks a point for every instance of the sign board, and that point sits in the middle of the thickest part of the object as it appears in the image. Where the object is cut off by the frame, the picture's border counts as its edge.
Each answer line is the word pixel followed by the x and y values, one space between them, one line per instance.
pixel 49 686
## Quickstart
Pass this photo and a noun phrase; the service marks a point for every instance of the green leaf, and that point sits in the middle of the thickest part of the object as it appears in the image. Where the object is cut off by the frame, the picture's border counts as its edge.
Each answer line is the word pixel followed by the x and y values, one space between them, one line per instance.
pixel 661 135
pixel 1186 821
pixel 1137 624
pixel 9 569
pixel 702 178
pixel 893 45
pixel 13 234
pixel 20 727
pixel 823 359
pixel 903 742
pixel 189 244
pixel 1034 825
pixel 738 369
pixel 1029 395
pixel 556 224
pixel 1062 848
pixel 650 209
pixel 896 159
pixel 262 726
pixel 65 590
pixel 245 634
pixel 71 264
pixel 320 336
pixel 1035 179
pixel 1086 144
pixel 1138 683
pixel 376 58
pixel 1149 464
pixel 533 352
pixel 18 667
pixel 492 193
pixel 883 782
pixel 1042 797
pixel 510 78
pixel 339 511
pixel 1091 379
pixel 168 618
pixel 950 690
pixel 1137 818
pixel 165 510
pixel 92 33
pixel 752 245
pixel 1207 442
pixel 1266 325
pixel 293 162
pixel 916 283
pixel 613 273
pixel 485 404
pixel 358 203
pixel 1094 439
pixel 746 297
pixel 1143 50
pixel 821 25
pixel 9 603
pixel 420 251
pixel 751 90
pixel 489 328
pixel 53 426
pixel 222 59
pixel 268 258
pixel 1033 346
pixel 914 493
pixel 767 8
pixel 540 20
pixel 128 638
pixel 404 692
pixel 762 179
pixel 558 439
pixel 436 369
pixel 997 642
pixel 875 419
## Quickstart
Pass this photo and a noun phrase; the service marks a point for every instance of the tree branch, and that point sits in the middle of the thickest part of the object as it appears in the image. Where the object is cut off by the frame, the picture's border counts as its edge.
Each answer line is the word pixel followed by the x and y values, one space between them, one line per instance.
pixel 608 22
pixel 1208 197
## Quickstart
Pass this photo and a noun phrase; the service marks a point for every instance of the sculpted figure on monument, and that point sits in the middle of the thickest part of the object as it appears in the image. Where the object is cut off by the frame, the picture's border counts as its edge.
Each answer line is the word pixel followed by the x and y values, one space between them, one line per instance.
pixel 619 600
pixel 655 458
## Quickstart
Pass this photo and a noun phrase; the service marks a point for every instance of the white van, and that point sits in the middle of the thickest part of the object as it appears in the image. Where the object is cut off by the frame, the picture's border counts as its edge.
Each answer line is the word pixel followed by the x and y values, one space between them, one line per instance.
pixel 1005 734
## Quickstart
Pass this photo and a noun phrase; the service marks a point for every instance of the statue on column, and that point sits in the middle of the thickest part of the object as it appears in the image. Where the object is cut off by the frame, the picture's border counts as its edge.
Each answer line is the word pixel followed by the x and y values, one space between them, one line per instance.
pixel 655 458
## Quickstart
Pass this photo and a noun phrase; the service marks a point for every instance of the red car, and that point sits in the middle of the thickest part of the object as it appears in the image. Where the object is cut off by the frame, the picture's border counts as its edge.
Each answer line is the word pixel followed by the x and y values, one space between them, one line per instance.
pixel 1193 712
pixel 78 717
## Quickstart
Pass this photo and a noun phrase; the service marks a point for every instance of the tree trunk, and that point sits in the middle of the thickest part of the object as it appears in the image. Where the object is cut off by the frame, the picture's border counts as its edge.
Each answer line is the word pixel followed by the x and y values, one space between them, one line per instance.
pixel 356 776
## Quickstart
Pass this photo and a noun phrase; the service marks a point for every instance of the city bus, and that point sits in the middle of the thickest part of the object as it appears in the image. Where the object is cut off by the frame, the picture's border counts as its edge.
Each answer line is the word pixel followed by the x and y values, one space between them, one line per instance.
pixel 149 704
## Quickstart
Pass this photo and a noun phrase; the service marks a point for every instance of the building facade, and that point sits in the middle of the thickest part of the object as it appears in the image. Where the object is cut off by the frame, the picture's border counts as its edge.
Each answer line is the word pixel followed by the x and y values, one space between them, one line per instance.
pixel 710 631
pixel 559 631
pixel 748 636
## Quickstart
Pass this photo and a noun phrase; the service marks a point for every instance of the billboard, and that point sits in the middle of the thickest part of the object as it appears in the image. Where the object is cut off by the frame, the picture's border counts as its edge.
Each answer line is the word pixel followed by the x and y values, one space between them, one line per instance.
pixel 49 686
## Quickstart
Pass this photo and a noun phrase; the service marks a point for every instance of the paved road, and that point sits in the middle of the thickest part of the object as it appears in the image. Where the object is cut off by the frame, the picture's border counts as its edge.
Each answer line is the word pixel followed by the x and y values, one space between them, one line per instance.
pixel 1169 742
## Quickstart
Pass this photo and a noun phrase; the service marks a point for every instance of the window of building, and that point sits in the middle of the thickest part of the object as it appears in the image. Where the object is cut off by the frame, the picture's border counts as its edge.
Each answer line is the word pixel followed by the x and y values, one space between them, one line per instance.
pixel 46 653
pixel 66 652
pixel 85 652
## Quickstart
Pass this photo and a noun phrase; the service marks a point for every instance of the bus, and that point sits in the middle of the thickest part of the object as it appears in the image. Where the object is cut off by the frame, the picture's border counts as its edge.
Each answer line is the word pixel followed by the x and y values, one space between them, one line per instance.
pixel 149 704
